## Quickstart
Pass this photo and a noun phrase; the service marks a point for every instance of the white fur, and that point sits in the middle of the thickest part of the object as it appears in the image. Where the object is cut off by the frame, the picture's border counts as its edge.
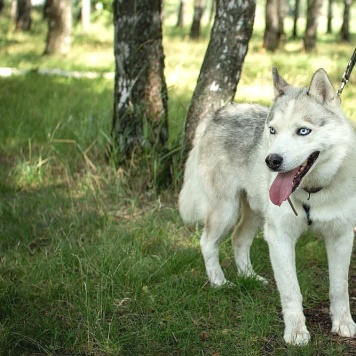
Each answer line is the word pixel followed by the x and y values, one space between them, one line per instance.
pixel 221 184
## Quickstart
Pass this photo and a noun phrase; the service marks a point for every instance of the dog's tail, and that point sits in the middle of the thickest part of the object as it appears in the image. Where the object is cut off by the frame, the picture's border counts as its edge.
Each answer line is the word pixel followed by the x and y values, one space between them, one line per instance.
pixel 191 198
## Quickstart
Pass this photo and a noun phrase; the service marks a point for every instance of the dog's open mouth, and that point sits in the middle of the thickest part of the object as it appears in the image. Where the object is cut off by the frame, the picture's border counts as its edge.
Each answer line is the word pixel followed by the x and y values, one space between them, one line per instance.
pixel 287 182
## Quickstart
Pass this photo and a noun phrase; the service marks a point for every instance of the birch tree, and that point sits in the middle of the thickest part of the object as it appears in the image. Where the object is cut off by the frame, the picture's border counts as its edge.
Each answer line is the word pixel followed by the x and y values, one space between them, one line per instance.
pixel 222 65
pixel 140 96
pixel 85 15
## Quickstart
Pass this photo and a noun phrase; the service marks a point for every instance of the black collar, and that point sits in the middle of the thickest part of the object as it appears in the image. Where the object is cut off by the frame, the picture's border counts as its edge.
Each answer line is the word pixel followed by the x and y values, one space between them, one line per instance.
pixel 312 190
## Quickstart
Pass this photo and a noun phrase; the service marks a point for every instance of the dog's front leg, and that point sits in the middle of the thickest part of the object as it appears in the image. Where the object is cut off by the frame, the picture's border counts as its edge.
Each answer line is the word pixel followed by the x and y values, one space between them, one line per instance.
pixel 339 249
pixel 282 254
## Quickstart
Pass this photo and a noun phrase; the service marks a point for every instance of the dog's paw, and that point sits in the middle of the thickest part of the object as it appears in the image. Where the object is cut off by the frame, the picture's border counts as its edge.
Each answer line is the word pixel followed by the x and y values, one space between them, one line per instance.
pixel 344 328
pixel 260 279
pixel 253 275
pixel 297 337
pixel 225 284
pixel 219 283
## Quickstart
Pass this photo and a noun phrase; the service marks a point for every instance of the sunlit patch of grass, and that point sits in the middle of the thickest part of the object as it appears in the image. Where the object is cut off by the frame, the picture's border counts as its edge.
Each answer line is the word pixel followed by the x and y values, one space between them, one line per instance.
pixel 30 174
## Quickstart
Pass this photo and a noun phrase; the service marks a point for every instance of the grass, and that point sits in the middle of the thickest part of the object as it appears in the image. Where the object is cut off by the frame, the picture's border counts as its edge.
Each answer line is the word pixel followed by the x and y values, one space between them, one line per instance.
pixel 91 263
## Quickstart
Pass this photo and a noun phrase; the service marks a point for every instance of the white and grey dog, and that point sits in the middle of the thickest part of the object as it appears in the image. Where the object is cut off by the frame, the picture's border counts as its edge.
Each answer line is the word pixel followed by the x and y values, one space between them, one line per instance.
pixel 289 168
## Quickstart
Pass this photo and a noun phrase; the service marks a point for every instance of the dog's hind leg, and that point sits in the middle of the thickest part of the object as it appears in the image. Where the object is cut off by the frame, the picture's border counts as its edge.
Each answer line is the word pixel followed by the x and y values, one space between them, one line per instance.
pixel 220 218
pixel 242 238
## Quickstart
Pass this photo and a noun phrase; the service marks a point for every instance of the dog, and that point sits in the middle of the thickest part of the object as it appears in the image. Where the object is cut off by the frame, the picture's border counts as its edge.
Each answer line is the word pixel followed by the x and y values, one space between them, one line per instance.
pixel 287 169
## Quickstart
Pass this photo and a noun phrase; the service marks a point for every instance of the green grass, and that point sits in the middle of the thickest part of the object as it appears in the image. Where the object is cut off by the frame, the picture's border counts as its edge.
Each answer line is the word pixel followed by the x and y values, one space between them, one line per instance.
pixel 91 262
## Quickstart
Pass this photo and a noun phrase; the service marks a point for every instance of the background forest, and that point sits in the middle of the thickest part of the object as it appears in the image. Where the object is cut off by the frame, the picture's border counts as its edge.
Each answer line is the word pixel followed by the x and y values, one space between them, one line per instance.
pixel 94 259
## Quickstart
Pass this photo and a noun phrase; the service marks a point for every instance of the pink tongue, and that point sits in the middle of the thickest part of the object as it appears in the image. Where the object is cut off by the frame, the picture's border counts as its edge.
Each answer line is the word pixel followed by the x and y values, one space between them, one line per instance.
pixel 282 186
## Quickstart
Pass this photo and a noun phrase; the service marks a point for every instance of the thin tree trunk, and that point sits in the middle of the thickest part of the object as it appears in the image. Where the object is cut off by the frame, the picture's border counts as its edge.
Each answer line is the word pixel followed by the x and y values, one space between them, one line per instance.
pixel 140 97
pixel 221 69
pixel 13 10
pixel 181 11
pixel 23 15
pixel 281 15
pixel 59 16
pixel 85 15
pixel 274 24
pixel 46 9
pixel 310 36
pixel 345 31
pixel 330 17
pixel 295 18
pixel 199 7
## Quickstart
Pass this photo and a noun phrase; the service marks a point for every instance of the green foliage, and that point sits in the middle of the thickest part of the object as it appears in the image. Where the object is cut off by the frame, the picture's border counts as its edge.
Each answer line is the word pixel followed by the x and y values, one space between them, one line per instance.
pixel 94 263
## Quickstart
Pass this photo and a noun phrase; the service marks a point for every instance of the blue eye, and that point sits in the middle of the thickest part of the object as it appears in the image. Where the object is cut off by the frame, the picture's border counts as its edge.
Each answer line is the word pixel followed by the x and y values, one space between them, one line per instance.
pixel 272 131
pixel 303 131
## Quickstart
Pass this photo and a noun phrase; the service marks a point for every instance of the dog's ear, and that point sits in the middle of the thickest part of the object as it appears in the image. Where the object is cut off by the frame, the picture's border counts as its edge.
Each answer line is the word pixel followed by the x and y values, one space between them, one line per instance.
pixel 322 90
pixel 279 83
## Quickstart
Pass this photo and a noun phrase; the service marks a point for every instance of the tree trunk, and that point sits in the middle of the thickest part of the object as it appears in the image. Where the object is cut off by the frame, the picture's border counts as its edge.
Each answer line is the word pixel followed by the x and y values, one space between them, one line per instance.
pixel 181 11
pixel 345 32
pixel 59 16
pixel 85 15
pixel 330 17
pixel 23 15
pixel 295 18
pixel 310 36
pixel 274 24
pixel 222 65
pixel 140 98
pixel 46 8
pixel 199 7
pixel 282 12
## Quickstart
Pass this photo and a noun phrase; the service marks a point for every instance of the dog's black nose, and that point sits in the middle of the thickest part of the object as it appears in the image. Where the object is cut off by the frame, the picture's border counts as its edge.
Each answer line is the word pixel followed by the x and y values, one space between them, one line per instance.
pixel 274 161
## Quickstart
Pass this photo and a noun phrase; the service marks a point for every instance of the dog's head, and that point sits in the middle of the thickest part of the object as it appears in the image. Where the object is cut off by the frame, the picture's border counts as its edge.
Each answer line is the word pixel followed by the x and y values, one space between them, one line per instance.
pixel 302 127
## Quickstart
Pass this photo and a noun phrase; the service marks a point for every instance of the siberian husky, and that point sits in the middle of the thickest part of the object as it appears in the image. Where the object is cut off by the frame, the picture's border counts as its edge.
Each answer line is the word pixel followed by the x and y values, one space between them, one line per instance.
pixel 289 168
